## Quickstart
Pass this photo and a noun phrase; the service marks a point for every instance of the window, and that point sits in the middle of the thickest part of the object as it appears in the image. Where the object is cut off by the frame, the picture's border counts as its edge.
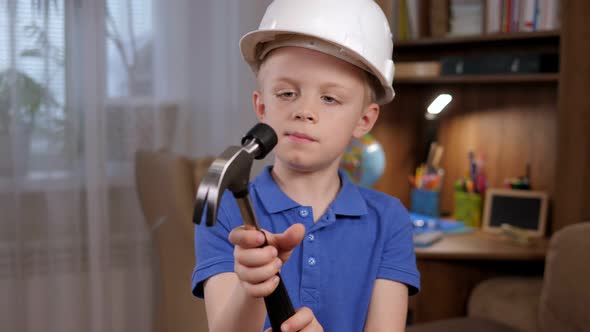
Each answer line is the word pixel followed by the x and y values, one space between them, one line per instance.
pixel 38 132
pixel 129 48
pixel 32 84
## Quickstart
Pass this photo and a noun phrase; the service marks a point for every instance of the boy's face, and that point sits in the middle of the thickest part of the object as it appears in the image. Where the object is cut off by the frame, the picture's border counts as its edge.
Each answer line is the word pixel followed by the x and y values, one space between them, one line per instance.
pixel 316 103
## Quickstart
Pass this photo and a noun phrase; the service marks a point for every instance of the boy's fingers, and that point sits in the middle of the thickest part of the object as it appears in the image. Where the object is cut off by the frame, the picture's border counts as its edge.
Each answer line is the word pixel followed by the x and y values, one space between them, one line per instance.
pixel 313 327
pixel 289 239
pixel 302 318
pixel 256 256
pixel 255 275
pixel 246 237
pixel 262 289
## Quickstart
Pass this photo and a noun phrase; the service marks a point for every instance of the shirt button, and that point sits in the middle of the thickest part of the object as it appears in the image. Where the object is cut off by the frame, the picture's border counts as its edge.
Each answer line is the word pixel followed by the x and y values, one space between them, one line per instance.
pixel 303 213
pixel 311 261
pixel 310 237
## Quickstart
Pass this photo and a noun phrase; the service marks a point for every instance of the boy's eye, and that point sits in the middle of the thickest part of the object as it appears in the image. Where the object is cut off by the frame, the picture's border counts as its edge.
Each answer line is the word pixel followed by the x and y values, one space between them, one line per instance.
pixel 329 100
pixel 286 94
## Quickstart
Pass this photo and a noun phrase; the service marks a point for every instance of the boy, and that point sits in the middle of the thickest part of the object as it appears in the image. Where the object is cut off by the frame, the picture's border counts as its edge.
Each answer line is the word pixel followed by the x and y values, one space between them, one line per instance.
pixel 345 253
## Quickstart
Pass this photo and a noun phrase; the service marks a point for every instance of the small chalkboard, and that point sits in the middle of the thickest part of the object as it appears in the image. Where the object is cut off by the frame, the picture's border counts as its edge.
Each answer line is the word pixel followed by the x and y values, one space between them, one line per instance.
pixel 524 209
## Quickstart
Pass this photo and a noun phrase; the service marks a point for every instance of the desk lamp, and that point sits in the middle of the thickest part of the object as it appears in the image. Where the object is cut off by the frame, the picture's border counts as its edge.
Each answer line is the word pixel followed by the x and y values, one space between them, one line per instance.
pixel 432 113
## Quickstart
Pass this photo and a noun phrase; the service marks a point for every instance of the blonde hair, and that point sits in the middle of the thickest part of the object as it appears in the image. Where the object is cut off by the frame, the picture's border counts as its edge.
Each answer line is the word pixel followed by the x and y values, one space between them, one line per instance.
pixel 372 86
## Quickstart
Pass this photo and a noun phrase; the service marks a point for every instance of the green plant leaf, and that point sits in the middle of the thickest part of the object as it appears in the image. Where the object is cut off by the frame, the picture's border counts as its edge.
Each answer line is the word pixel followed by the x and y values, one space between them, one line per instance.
pixel 32 52
pixel 29 97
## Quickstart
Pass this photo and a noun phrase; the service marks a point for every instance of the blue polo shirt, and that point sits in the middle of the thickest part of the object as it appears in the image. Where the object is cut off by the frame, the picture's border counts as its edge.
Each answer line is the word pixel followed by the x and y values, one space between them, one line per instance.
pixel 363 235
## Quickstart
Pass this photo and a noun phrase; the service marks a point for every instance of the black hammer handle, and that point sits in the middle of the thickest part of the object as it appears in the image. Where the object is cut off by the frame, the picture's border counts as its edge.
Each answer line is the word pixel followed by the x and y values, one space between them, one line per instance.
pixel 278 304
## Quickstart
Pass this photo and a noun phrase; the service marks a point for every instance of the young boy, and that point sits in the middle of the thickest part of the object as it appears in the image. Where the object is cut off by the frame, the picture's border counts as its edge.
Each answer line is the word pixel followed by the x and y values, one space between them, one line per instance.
pixel 345 253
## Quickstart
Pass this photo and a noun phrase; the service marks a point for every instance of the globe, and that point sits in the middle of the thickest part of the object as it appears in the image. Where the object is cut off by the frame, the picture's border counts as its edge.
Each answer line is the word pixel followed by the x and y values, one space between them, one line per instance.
pixel 364 161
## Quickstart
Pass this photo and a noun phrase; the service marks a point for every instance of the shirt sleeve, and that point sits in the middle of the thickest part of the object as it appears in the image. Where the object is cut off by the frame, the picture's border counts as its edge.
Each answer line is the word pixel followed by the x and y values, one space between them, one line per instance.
pixel 213 251
pixel 398 261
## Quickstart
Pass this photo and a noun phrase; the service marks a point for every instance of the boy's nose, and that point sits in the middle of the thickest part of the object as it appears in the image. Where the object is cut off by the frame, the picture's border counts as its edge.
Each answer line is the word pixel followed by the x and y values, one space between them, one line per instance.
pixel 305 114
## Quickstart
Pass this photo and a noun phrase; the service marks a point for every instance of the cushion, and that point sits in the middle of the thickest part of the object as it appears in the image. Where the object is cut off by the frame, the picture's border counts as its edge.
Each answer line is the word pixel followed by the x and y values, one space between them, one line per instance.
pixel 461 324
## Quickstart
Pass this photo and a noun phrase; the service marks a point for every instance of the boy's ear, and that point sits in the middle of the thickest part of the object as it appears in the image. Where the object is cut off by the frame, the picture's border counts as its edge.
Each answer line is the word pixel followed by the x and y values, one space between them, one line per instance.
pixel 258 105
pixel 366 121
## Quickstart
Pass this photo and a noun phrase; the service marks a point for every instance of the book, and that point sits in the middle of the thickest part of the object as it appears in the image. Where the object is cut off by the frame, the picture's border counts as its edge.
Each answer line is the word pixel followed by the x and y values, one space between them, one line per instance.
pixel 423 224
pixel 439 18
pixel 527 18
pixel 403 24
pixel 493 16
pixel 414 18
pixel 548 14
pixel 466 17
pixel 417 69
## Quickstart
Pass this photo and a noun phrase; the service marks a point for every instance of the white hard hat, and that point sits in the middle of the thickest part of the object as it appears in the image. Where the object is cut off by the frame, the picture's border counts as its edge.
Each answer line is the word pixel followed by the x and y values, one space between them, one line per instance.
pixel 356 31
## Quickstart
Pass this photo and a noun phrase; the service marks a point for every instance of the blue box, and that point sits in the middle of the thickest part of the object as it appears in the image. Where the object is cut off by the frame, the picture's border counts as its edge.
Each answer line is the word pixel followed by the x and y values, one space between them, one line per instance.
pixel 425 202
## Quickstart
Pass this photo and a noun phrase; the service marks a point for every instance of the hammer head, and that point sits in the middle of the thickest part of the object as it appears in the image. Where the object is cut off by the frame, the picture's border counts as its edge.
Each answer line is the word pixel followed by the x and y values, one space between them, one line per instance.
pixel 231 170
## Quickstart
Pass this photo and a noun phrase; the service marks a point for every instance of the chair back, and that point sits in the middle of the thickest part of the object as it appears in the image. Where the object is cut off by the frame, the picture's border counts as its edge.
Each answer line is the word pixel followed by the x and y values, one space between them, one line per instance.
pixel 166 186
pixel 565 298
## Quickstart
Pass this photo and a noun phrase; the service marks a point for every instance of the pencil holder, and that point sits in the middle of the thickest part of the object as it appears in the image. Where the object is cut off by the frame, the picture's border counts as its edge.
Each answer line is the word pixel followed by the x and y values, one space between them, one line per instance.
pixel 425 202
pixel 468 208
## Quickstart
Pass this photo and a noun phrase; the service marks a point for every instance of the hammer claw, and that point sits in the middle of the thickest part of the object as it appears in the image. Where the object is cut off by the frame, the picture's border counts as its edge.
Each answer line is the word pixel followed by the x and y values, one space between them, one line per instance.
pixel 212 205
pixel 204 194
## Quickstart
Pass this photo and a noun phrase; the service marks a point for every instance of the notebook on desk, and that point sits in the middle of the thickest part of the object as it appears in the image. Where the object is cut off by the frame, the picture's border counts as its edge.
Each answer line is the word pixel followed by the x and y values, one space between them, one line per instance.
pixel 428 230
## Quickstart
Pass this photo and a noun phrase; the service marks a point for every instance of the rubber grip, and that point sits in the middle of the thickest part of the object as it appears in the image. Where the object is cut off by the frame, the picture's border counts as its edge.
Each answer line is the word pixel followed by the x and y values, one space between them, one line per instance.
pixel 278 304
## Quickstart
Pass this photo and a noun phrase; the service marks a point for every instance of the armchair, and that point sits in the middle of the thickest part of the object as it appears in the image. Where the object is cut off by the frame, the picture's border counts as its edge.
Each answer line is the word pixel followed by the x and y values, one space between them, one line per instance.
pixel 558 302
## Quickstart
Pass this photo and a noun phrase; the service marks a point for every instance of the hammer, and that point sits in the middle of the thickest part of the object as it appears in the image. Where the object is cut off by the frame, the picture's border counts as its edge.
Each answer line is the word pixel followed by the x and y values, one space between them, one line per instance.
pixel 231 170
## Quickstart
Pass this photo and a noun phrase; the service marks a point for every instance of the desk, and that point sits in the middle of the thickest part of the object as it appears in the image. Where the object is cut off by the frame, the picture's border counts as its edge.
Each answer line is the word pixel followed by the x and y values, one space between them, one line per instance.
pixel 452 267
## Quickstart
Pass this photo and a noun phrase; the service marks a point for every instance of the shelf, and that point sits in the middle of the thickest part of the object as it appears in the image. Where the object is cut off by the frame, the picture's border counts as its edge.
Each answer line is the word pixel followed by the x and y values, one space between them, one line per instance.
pixel 479 39
pixel 525 78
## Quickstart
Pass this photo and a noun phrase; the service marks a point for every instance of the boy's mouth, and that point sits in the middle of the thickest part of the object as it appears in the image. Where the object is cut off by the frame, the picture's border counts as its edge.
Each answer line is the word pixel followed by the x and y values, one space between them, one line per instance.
pixel 299 137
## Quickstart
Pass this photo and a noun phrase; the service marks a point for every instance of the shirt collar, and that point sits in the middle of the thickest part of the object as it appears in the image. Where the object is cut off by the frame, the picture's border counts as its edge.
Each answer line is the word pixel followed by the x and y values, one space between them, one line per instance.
pixel 272 197
pixel 348 202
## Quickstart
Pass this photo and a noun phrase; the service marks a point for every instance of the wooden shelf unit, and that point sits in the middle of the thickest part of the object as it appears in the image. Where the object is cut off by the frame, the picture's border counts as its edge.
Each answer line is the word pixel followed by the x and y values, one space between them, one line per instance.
pixel 507 37
pixel 510 118
pixel 483 79
pixel 539 119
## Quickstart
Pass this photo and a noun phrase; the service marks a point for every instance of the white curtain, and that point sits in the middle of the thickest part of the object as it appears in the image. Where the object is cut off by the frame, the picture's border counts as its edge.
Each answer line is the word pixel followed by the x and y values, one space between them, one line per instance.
pixel 83 85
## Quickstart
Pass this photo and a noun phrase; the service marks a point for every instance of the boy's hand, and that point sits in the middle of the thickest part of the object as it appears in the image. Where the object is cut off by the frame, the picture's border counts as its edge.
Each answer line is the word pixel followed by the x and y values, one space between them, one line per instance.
pixel 257 267
pixel 304 320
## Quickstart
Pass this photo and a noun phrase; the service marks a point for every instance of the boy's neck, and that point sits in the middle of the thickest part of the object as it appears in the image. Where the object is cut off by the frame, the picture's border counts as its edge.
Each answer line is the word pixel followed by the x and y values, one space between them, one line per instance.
pixel 317 189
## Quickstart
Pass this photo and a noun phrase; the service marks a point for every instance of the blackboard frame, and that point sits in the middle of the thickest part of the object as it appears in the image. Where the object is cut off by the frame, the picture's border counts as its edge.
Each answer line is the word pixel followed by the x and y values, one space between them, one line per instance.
pixel 515 197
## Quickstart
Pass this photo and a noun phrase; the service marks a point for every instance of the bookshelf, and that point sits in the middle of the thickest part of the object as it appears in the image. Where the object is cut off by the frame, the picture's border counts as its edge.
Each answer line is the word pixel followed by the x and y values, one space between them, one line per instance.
pixel 490 114
pixel 538 119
